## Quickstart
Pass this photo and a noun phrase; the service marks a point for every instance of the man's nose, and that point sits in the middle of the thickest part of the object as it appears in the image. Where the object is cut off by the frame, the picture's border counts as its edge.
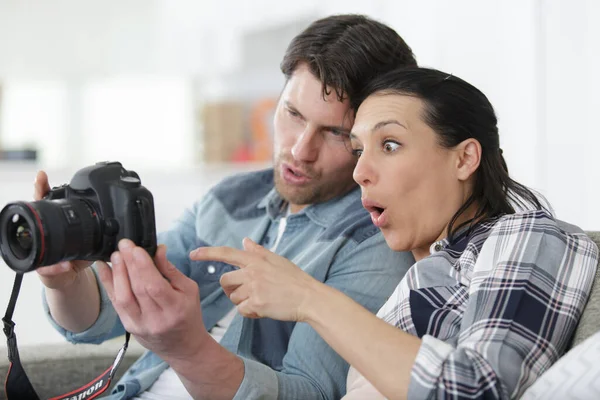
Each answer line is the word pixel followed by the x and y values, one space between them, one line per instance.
pixel 307 146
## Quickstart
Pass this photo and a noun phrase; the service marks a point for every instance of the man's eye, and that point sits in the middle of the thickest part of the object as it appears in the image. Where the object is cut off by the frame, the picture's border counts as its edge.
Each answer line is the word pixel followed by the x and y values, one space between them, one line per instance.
pixel 293 113
pixel 390 146
pixel 357 152
pixel 338 135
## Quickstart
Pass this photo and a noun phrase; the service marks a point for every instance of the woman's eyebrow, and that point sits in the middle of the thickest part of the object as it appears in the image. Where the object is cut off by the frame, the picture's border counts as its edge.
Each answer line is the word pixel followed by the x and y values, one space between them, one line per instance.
pixel 380 125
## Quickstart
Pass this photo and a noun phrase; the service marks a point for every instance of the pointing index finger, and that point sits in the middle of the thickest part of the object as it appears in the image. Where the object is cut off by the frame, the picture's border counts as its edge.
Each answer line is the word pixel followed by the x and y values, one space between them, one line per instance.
pixel 229 255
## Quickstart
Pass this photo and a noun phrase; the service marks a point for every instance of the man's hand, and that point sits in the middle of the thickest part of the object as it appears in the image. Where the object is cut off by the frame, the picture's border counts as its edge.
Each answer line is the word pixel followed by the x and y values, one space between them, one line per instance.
pixel 63 274
pixel 156 303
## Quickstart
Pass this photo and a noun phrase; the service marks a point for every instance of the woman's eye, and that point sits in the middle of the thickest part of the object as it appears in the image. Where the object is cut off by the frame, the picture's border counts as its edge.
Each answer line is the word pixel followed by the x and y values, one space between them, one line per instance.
pixel 390 146
pixel 293 113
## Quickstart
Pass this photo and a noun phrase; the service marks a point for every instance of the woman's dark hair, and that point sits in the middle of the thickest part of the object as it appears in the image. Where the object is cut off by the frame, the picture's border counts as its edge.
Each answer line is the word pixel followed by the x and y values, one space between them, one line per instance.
pixel 346 51
pixel 456 111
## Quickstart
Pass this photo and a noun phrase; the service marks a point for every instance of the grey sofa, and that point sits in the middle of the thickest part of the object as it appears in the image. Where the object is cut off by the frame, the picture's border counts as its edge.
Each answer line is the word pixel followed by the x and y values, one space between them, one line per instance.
pixel 590 319
pixel 59 369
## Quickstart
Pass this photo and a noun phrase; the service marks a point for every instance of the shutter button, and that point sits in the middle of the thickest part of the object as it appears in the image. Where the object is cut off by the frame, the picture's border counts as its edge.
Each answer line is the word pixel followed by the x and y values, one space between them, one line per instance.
pixel 211 269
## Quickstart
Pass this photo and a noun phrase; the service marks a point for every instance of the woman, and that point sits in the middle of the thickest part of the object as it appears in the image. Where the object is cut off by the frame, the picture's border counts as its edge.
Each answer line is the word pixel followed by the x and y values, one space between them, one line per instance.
pixel 498 285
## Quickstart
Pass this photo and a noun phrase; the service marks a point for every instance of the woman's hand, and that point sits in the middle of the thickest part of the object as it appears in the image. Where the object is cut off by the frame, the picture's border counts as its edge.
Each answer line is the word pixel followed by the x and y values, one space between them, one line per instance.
pixel 266 285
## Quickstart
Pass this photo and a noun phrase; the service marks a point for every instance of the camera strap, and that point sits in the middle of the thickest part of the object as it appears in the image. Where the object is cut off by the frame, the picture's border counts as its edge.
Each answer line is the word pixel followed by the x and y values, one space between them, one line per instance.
pixel 18 386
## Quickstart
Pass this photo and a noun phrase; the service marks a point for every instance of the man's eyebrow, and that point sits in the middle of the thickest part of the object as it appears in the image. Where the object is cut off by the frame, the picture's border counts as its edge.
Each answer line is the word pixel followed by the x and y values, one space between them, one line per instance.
pixel 334 128
pixel 338 129
pixel 294 109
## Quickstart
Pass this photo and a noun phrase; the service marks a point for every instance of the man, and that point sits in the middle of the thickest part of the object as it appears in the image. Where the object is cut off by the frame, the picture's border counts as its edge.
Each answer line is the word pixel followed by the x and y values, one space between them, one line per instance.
pixel 307 208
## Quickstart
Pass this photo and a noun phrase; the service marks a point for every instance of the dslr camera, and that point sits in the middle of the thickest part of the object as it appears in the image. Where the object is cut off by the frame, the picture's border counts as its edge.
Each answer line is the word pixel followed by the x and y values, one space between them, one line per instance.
pixel 83 220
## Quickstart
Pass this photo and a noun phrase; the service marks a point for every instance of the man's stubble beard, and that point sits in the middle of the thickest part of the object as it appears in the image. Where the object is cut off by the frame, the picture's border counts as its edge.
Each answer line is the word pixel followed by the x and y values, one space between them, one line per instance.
pixel 315 192
pixel 304 195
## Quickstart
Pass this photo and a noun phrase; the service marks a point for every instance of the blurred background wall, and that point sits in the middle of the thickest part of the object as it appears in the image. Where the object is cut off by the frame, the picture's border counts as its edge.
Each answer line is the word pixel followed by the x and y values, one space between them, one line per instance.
pixel 182 90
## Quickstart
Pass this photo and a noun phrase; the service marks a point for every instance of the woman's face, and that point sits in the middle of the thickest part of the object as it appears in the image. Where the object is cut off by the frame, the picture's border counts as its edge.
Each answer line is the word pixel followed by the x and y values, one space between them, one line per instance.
pixel 411 185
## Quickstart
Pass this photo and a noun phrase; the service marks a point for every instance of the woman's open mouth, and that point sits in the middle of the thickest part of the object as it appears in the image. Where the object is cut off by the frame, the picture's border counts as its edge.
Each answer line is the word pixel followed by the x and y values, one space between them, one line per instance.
pixel 377 212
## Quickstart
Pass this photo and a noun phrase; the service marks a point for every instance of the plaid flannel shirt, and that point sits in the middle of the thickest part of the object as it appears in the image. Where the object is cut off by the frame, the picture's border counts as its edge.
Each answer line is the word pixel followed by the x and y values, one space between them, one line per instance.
pixel 496 308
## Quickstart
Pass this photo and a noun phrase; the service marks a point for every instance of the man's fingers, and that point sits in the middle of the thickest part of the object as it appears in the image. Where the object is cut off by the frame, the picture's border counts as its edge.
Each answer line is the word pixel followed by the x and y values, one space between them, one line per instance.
pixel 40 185
pixel 145 281
pixel 168 270
pixel 160 260
pixel 106 277
pixel 140 266
pixel 229 255
pixel 154 282
pixel 124 298
pixel 171 282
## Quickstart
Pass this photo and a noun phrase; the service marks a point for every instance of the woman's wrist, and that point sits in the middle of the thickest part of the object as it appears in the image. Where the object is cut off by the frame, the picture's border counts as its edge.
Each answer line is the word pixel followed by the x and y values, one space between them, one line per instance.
pixel 318 295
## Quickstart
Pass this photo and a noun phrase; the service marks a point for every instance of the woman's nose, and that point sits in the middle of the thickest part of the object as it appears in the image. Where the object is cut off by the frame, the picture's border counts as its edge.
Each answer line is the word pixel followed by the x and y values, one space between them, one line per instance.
pixel 364 173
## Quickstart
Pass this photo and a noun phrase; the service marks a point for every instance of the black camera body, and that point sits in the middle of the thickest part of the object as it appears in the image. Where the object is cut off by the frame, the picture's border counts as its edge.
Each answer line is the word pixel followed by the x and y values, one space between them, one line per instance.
pixel 83 220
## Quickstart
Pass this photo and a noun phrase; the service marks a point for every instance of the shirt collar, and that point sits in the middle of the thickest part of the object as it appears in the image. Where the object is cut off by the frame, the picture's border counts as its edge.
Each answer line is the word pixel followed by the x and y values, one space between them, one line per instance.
pixel 323 214
pixel 460 240
pixel 463 236
pixel 273 202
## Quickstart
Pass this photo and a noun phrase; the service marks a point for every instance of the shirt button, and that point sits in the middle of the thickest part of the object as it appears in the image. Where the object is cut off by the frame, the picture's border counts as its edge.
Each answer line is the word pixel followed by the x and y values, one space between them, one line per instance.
pixel 211 269
pixel 435 247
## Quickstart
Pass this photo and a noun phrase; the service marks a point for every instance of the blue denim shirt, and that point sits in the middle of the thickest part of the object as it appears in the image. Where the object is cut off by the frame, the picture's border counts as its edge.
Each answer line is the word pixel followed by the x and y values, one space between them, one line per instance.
pixel 334 241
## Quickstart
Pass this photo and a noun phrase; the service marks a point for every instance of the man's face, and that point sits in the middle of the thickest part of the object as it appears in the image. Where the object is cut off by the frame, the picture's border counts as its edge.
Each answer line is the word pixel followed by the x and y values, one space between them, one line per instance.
pixel 311 157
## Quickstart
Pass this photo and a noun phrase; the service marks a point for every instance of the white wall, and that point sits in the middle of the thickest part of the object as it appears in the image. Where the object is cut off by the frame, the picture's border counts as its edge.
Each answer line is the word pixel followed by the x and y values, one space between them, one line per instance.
pixel 534 59
pixel 571 103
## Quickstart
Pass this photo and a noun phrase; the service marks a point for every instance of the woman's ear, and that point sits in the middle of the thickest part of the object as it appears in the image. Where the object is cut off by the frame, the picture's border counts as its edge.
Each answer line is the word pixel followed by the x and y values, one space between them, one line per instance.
pixel 469 158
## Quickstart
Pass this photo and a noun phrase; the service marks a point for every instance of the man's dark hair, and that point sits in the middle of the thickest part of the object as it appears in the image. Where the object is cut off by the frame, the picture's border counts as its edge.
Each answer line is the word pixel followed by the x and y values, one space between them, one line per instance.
pixel 345 51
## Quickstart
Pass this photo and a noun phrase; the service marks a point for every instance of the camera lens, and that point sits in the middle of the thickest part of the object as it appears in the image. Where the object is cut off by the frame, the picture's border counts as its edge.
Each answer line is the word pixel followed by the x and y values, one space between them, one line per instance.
pixel 20 238
pixel 45 232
